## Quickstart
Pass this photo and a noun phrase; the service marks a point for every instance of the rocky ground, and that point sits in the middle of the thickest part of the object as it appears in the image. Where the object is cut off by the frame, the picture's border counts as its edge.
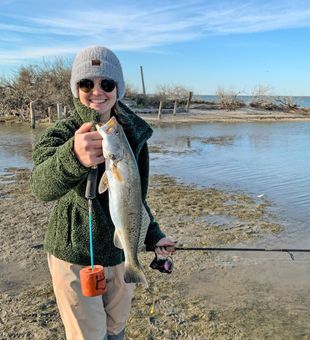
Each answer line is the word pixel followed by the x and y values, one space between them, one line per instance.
pixel 178 306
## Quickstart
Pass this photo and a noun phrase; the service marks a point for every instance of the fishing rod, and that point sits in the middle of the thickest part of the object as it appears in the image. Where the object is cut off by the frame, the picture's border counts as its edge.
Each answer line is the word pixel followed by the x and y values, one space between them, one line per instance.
pixel 289 251
pixel 165 265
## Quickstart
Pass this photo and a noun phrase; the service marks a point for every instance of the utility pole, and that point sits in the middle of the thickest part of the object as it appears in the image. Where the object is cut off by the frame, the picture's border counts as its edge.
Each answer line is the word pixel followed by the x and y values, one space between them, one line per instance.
pixel 142 78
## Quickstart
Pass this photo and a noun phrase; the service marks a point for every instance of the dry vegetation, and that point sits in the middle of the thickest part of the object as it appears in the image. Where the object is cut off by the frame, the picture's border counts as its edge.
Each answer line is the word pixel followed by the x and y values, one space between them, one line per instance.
pixel 45 85
pixel 228 99
pixel 49 84
pixel 262 98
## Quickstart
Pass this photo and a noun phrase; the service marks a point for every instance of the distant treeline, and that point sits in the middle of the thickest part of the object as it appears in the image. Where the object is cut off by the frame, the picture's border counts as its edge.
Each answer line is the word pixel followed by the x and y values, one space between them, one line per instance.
pixel 49 84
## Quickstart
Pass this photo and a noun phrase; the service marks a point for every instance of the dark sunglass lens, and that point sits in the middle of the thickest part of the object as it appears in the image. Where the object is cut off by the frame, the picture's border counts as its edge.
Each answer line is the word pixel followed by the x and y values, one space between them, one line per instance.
pixel 107 85
pixel 86 85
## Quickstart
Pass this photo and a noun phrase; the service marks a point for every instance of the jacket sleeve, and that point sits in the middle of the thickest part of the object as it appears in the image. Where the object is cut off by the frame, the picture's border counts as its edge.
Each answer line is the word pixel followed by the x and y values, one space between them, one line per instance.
pixel 56 168
pixel 154 234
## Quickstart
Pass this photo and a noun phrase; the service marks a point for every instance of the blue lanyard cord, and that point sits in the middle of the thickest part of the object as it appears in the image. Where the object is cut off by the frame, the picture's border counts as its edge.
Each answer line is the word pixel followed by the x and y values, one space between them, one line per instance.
pixel 90 193
pixel 90 221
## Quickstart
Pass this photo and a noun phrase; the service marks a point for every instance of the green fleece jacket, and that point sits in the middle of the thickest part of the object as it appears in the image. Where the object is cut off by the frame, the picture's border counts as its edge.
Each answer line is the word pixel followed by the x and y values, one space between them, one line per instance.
pixel 58 175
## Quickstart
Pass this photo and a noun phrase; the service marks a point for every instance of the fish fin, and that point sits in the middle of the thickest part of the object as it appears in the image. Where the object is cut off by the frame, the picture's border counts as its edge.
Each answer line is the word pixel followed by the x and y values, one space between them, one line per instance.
pixel 116 173
pixel 145 222
pixel 134 274
pixel 103 184
pixel 117 240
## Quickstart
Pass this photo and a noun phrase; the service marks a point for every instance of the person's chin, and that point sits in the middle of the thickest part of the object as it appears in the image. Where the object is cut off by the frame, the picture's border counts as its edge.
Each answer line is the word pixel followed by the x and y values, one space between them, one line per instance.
pixel 98 108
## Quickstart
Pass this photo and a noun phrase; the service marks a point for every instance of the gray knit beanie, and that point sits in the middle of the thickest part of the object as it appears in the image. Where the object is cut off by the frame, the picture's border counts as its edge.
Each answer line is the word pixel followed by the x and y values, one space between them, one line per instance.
pixel 97 61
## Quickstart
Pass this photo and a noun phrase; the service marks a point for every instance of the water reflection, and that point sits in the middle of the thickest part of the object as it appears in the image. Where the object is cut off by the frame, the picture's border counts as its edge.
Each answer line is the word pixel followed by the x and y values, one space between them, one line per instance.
pixel 16 143
pixel 261 158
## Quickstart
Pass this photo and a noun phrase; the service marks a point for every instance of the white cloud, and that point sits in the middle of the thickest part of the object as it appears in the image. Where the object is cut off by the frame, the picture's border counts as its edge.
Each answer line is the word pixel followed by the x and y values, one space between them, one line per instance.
pixel 136 27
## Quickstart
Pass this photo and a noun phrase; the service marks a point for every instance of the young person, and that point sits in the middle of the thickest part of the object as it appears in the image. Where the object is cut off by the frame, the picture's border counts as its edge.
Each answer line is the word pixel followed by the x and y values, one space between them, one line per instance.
pixel 62 160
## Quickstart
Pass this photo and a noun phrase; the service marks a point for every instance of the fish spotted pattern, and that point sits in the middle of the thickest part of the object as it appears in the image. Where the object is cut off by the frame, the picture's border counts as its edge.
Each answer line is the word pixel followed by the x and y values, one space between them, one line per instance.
pixel 122 180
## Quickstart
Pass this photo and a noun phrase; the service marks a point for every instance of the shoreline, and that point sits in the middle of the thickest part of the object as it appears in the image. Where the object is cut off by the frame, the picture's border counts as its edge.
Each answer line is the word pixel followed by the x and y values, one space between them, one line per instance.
pixel 197 116
pixel 218 116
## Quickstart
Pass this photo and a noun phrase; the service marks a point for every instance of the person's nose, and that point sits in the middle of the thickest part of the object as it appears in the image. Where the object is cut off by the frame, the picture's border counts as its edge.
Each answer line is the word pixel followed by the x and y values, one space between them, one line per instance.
pixel 97 90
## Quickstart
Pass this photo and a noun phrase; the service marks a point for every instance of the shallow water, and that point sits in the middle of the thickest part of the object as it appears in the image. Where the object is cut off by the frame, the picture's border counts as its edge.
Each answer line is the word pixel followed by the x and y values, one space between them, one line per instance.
pixel 16 143
pixel 267 160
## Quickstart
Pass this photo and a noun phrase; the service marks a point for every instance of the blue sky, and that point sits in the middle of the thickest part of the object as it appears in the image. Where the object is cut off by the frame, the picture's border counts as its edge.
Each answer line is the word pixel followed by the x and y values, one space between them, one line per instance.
pixel 201 45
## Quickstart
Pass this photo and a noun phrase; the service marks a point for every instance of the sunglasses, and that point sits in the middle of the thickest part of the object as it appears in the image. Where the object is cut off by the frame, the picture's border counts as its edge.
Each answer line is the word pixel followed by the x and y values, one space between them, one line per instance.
pixel 107 85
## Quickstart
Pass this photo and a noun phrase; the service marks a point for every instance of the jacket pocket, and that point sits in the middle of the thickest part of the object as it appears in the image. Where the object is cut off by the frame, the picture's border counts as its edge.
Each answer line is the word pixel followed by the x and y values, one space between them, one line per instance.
pixel 60 222
pixel 79 229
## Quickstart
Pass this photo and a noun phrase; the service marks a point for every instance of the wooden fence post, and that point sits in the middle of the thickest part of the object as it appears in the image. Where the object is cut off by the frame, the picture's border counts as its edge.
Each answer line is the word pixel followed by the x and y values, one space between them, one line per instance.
pixel 142 79
pixel 65 111
pixel 160 109
pixel 59 111
pixel 32 116
pixel 189 99
pixel 175 108
pixel 49 113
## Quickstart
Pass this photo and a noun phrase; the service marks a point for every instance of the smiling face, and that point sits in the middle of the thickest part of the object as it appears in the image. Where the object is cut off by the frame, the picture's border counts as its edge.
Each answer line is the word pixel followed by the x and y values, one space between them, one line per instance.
pixel 99 100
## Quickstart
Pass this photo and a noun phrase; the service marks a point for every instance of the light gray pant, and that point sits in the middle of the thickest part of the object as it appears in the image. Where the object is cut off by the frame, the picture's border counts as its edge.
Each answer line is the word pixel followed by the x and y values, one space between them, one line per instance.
pixel 95 318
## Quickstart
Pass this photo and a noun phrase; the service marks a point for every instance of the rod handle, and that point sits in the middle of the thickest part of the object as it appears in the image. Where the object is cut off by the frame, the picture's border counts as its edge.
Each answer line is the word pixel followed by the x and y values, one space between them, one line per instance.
pixel 91 184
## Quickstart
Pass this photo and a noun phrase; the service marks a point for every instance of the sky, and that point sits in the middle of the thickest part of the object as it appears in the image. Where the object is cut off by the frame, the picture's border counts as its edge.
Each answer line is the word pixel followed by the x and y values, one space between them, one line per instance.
pixel 200 45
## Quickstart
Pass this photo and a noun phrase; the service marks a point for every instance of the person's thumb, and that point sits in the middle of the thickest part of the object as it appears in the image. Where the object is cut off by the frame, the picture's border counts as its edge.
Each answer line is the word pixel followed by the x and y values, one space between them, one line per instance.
pixel 86 127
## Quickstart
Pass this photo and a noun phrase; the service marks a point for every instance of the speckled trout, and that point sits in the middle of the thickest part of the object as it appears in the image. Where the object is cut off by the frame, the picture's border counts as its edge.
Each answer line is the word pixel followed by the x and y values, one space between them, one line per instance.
pixel 122 179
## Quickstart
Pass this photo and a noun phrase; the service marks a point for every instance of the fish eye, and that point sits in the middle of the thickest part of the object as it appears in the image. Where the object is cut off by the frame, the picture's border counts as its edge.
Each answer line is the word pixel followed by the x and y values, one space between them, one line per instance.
pixel 116 132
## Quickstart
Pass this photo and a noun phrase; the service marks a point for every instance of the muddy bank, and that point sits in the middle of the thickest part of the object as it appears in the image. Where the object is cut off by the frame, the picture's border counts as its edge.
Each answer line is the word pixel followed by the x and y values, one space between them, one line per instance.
pixel 202 299
pixel 240 115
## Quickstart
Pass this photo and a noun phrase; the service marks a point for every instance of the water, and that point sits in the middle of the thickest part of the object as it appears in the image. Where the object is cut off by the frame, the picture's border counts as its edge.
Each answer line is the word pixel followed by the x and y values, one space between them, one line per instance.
pixel 16 143
pixel 263 159
pixel 301 101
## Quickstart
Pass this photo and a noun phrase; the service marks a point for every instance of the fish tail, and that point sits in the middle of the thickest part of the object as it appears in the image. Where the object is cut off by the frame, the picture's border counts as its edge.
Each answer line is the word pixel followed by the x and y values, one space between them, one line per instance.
pixel 134 274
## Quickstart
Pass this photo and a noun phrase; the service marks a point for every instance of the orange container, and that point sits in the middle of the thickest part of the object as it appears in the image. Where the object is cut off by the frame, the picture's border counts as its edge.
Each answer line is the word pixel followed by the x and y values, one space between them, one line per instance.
pixel 93 282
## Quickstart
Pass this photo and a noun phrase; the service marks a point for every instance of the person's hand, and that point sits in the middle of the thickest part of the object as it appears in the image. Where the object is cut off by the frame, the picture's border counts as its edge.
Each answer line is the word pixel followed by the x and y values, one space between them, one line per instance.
pixel 88 145
pixel 165 246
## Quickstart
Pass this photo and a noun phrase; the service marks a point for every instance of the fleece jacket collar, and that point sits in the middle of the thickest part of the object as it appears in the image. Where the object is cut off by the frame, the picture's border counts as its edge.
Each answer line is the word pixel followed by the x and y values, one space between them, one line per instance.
pixel 85 113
